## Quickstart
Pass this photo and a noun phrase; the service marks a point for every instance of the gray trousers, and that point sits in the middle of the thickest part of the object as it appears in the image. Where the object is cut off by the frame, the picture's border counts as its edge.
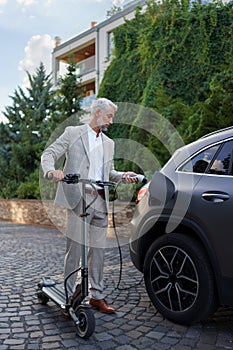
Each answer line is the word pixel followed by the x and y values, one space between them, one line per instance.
pixel 97 222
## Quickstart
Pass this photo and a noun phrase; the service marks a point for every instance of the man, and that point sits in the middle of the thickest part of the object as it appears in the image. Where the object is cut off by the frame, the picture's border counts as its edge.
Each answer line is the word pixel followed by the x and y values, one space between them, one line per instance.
pixel 90 153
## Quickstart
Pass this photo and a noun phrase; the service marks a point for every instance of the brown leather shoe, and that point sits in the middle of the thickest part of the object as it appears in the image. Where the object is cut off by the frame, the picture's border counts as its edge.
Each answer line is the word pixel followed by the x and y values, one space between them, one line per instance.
pixel 66 314
pixel 102 306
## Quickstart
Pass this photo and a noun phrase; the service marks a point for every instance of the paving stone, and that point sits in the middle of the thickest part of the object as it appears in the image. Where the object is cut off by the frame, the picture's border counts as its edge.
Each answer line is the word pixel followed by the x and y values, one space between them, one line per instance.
pixel 89 347
pixel 5 330
pixel 116 332
pixel 13 341
pixel 143 343
pixel 160 346
pixel 17 347
pixel 51 339
pixel 69 343
pixel 123 339
pixel 181 347
pixel 31 252
pixel 33 347
pixel 134 334
pixel 126 347
pixel 107 345
pixel 3 336
pixel 155 335
pixel 103 336
pixel 55 345
pixel 20 335
pixel 169 340
pixel 4 325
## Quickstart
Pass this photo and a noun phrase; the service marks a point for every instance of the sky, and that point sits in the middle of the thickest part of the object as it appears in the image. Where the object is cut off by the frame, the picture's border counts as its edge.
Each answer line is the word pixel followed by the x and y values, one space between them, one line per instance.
pixel 27 34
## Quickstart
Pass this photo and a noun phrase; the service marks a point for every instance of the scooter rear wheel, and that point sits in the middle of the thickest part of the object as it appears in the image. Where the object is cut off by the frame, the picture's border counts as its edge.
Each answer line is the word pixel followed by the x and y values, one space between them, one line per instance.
pixel 42 298
pixel 86 325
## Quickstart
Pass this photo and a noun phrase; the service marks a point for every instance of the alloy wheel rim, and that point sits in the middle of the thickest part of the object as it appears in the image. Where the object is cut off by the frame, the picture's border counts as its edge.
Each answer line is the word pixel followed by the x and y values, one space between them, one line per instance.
pixel 174 278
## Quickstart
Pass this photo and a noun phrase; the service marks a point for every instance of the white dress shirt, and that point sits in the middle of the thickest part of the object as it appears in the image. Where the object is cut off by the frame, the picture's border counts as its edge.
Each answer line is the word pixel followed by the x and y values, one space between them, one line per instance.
pixel 96 154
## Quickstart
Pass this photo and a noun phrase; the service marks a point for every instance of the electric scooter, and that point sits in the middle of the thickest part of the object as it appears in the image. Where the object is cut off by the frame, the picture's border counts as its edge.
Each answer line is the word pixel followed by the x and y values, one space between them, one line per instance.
pixel 76 307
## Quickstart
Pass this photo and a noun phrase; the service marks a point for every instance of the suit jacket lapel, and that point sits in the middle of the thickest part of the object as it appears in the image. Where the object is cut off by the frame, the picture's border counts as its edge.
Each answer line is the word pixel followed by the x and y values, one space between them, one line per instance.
pixel 84 137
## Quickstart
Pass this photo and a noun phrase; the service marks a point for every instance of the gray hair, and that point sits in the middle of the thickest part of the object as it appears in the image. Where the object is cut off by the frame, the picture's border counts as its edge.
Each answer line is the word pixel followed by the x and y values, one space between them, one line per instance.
pixel 103 104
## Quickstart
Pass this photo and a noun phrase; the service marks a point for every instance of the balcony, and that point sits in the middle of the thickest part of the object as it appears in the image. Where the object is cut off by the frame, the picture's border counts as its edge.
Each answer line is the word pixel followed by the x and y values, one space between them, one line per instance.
pixel 85 66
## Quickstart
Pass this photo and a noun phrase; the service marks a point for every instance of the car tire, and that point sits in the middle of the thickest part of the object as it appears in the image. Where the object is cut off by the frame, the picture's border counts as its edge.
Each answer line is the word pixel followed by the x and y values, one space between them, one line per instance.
pixel 179 279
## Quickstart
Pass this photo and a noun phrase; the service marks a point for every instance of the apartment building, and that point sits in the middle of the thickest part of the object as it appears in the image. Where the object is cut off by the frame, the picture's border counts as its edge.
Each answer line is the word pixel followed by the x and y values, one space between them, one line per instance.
pixel 92 51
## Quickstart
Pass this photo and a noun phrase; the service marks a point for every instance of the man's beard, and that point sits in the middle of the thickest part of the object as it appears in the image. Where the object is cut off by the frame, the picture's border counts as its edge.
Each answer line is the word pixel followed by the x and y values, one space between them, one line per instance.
pixel 103 128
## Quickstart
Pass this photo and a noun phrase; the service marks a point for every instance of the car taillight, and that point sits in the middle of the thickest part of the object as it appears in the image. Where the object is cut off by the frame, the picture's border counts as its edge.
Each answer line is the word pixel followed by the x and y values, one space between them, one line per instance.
pixel 141 193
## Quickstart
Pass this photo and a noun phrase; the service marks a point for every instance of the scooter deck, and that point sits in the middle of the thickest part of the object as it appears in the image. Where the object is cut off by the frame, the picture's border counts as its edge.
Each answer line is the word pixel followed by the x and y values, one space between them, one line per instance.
pixel 54 291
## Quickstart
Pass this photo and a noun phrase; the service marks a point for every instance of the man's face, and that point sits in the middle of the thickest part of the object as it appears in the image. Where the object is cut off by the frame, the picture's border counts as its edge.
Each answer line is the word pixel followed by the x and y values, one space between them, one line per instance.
pixel 105 119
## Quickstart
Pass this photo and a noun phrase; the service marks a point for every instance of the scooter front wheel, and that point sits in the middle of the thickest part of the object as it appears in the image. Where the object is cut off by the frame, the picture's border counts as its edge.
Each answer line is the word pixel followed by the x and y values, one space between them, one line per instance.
pixel 86 325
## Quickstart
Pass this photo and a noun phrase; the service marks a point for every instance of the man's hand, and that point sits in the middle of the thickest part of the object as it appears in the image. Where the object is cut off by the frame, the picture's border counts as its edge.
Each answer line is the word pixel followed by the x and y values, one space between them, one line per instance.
pixel 57 175
pixel 130 177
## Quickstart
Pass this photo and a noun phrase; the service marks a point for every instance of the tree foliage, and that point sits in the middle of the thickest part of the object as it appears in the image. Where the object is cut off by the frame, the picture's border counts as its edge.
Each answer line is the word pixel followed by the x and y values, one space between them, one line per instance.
pixel 33 115
pixel 114 10
pixel 69 94
pixel 176 59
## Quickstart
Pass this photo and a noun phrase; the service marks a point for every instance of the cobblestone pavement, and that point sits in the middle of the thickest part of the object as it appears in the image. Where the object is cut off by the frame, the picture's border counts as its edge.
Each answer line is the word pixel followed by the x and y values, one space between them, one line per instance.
pixel 29 252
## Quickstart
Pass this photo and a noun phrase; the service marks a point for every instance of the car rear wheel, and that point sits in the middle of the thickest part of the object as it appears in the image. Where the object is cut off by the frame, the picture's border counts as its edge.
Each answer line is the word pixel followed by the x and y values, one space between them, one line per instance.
pixel 179 279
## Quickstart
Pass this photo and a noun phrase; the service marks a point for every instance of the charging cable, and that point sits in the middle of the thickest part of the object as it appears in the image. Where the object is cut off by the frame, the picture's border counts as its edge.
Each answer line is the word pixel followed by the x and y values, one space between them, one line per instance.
pixel 141 178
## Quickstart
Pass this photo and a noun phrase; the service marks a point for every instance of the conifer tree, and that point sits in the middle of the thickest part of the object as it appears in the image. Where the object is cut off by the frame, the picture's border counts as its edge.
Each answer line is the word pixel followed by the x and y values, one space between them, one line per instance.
pixel 28 128
pixel 69 93
pixel 34 114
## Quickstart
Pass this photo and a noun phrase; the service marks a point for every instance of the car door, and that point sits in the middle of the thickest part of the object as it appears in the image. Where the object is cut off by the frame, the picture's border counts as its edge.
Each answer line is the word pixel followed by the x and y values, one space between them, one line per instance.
pixel 212 206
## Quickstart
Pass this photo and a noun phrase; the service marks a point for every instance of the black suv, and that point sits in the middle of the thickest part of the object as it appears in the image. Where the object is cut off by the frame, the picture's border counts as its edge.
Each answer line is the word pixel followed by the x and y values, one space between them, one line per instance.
pixel 182 230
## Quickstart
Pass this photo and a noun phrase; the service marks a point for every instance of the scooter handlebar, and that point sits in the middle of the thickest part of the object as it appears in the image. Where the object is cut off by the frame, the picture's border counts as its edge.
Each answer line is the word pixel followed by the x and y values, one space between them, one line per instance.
pixel 72 178
pixel 76 178
pixel 69 178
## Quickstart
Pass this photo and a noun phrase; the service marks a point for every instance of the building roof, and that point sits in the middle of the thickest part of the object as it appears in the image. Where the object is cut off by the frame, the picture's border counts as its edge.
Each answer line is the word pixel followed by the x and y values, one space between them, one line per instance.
pixel 126 9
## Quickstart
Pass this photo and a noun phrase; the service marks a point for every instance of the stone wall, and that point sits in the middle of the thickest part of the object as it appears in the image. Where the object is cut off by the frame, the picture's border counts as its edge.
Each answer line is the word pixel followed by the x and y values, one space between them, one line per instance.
pixel 45 213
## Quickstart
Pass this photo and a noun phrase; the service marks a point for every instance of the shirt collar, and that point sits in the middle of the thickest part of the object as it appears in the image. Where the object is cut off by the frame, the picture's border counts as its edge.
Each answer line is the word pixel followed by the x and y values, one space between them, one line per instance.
pixel 93 131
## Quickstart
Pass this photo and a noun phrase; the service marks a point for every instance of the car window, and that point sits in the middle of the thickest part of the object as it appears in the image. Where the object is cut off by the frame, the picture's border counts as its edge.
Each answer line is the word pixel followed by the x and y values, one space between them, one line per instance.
pixel 200 162
pixel 222 164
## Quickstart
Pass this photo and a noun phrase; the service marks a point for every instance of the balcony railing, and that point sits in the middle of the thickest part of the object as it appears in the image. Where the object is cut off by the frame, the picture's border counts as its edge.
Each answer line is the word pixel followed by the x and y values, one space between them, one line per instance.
pixel 86 66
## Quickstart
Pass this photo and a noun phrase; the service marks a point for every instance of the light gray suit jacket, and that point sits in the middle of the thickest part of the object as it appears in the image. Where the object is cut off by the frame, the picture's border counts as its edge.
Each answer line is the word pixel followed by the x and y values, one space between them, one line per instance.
pixel 73 143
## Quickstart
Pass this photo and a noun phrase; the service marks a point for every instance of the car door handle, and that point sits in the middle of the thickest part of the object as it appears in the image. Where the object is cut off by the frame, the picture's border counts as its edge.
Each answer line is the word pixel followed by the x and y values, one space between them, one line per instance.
pixel 215 197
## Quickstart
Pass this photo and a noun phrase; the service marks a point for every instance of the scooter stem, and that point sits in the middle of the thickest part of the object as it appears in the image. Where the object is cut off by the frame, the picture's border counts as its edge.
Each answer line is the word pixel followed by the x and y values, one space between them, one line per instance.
pixel 84 263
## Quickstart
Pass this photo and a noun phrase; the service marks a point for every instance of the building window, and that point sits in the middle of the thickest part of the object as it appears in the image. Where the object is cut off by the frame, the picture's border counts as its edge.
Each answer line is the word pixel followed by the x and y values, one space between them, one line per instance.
pixel 110 46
